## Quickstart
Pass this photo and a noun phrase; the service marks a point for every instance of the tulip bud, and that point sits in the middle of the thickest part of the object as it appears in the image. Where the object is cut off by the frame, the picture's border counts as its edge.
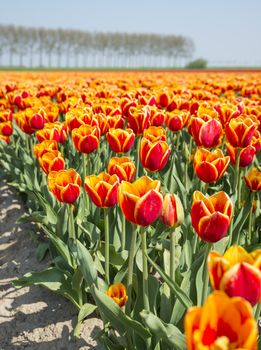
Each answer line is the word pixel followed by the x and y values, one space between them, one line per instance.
pixel 118 293
pixel 172 213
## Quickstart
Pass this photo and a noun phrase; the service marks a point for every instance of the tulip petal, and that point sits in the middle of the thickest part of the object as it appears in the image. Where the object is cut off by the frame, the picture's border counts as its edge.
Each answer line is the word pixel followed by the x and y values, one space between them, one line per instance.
pixel 214 227
pixel 148 208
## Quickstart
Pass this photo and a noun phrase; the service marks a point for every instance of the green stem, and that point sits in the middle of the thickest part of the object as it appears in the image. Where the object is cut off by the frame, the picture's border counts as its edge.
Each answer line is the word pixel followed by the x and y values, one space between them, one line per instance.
pixel 137 160
pixel 145 289
pixel 178 140
pixel 172 255
pixel 71 228
pixel 107 246
pixel 230 233
pixel 257 311
pixel 250 220
pixel 123 231
pixel 85 163
pixel 239 188
pixel 205 274
pixel 236 174
pixel 130 268
pixel 195 243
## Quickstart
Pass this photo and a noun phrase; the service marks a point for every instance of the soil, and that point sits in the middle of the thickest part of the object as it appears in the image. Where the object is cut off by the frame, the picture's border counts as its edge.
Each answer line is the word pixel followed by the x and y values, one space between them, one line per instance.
pixel 32 317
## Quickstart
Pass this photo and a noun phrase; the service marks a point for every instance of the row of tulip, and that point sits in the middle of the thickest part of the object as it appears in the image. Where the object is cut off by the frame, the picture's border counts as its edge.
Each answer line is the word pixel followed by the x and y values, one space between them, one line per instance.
pixel 141 209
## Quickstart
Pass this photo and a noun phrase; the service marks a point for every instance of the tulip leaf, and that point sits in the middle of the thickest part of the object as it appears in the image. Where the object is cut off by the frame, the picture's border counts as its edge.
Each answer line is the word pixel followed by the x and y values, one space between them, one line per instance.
pixel 51 278
pixel 86 264
pixel 241 218
pixel 42 250
pixel 180 294
pixel 114 314
pixel 167 332
pixel 85 311
pixel 61 247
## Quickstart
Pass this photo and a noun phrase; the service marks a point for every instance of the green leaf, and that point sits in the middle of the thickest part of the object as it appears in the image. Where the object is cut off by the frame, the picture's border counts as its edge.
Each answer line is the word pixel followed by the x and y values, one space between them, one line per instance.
pixel 41 250
pixel 86 264
pixel 240 220
pixel 167 332
pixel 85 311
pixel 180 294
pixel 113 313
pixel 60 246
pixel 51 278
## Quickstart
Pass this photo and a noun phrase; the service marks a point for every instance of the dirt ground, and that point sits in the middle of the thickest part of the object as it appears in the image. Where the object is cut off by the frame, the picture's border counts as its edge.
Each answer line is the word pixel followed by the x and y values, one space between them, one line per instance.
pixel 32 317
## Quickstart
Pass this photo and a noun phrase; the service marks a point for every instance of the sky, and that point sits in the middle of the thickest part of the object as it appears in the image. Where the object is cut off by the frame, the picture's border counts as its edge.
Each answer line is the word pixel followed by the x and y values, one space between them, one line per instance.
pixel 225 32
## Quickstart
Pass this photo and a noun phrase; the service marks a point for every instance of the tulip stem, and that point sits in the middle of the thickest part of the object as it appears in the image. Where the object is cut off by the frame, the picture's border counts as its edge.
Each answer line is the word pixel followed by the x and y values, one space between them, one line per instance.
pixel 107 246
pixel 145 289
pixel 71 228
pixel 236 174
pixel 172 255
pixel 130 268
pixel 257 311
pixel 137 160
pixel 249 235
pixel 178 140
pixel 205 274
pixel 123 231
pixel 86 162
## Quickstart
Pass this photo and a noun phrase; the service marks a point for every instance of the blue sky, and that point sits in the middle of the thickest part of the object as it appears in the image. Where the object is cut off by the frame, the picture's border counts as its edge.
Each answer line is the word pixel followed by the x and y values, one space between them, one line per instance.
pixel 224 31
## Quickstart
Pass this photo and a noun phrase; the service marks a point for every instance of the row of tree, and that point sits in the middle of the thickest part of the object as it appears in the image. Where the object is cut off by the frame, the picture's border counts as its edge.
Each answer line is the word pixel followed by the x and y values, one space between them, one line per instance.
pixel 24 46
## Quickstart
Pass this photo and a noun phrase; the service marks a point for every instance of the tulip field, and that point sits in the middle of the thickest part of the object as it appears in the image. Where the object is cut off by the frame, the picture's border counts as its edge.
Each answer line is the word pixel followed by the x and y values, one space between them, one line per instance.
pixel 145 187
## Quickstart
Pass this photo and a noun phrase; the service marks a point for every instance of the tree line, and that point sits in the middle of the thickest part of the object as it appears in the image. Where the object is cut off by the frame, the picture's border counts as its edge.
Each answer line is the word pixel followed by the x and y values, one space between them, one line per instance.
pixel 38 47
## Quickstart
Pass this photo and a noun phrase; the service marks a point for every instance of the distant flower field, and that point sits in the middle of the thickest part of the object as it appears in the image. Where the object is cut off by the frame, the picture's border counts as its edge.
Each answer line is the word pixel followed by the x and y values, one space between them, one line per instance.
pixel 146 186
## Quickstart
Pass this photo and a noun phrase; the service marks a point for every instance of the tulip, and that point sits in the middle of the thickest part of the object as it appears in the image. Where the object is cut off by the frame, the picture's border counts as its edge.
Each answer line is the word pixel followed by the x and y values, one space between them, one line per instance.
pixel 227 112
pixel 140 201
pixel 102 122
pixel 51 161
pixel 115 121
pixel 65 185
pixel 210 166
pixel 138 119
pixel 6 128
pixel 154 155
pixel 79 116
pixel 44 147
pixel 246 155
pixel 118 293
pixel 86 138
pixel 253 180
pixel 5 116
pixel 176 120
pixel 240 131
pixel 211 216
pixel 120 141
pixel 102 189
pixel 123 167
pixel 4 139
pixel 172 213
pixel 155 133
pixel 156 117
pixel 164 99
pixel 207 132
pixel 237 273
pixel 222 323
pixel 53 131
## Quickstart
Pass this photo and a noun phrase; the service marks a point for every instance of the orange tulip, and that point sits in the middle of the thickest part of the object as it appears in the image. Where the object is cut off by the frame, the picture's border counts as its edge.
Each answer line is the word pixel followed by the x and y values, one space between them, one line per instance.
pixel 123 167
pixel 176 120
pixel 207 132
pixel 210 166
pixel 86 138
pixel 5 116
pixel 237 273
pixel 6 128
pixel 141 201
pixel 29 121
pixel 65 185
pixel 118 293
pixel 44 147
pixel 227 112
pixel 172 213
pixel 53 131
pixel 222 323
pixel 4 138
pixel 240 131
pixel 120 141
pixel 102 122
pixel 79 116
pixel 102 189
pixel 253 180
pixel 155 133
pixel 51 161
pixel 246 155
pixel 156 117
pixel 138 119
pixel 115 121
pixel 154 155
pixel 211 216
